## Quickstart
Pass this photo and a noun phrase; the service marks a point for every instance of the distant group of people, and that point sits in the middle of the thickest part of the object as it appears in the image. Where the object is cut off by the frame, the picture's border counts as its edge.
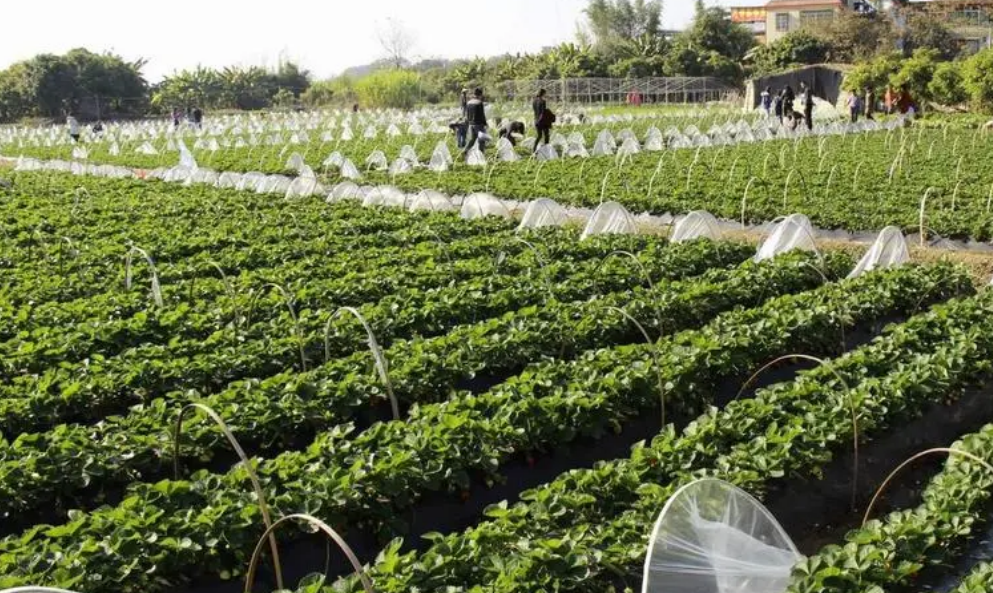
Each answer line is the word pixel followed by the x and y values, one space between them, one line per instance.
pixel 471 128
pixel 194 117
pixel 782 105
pixel 75 130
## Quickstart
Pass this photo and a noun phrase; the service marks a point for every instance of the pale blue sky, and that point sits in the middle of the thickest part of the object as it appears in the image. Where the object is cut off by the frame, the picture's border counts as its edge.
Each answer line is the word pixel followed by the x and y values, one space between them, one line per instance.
pixel 326 36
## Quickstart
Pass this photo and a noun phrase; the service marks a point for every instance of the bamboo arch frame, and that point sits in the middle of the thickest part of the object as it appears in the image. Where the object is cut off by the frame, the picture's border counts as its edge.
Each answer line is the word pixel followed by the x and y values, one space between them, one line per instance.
pixel 256 485
pixel 382 365
pixel 321 526
pixel 947 450
pixel 851 404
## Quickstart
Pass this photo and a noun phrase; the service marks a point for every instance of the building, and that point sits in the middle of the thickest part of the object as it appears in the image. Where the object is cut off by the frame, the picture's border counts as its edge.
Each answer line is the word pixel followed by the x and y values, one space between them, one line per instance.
pixel 776 18
pixel 752 18
pixel 970 20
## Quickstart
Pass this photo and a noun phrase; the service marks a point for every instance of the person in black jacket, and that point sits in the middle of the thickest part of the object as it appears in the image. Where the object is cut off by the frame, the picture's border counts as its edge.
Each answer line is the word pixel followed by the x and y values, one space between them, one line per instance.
pixel 808 105
pixel 475 118
pixel 542 119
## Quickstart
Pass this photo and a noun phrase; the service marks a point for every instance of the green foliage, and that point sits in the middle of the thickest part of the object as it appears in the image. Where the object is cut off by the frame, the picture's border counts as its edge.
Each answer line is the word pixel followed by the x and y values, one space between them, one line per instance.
pixel 916 73
pixel 926 31
pixel 389 88
pixel 875 74
pixel 977 79
pixel 796 48
pixel 946 87
pixel 615 22
pixel 246 88
pixel 50 85
pixel 854 38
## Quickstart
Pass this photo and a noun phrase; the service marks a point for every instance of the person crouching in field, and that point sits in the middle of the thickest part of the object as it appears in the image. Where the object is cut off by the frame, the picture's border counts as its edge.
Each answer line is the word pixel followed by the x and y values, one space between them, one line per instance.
pixel 511 130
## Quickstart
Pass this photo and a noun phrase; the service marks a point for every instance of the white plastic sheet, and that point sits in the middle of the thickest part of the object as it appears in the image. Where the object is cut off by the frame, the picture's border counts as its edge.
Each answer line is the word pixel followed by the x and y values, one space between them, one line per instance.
pixel 610 218
pixel 713 537
pixel 889 251
pixel 696 225
pixel 481 205
pixel 795 232
pixel 543 212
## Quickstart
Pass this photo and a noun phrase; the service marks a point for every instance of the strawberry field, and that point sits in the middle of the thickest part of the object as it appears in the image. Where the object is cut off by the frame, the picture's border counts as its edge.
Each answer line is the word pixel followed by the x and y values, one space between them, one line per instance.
pixel 200 383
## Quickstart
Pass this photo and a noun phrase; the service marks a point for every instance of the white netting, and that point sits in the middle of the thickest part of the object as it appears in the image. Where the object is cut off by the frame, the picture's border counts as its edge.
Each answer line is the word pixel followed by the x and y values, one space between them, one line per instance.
pixel 408 153
pixel 480 205
pixel 383 196
pixel 889 251
pixel 349 170
pixel 80 153
pixel 506 154
pixel 147 149
pixel 795 232
pixel 186 159
pixel 114 149
pixel 629 147
pixel 302 187
pixel 377 161
pixel 610 218
pixel 541 213
pixel 335 159
pixel 345 190
pixel 712 537
pixel 476 158
pixel 229 180
pixel 546 153
pixel 274 184
pixel 250 181
pixel 695 225
pixel 576 150
pixel 431 200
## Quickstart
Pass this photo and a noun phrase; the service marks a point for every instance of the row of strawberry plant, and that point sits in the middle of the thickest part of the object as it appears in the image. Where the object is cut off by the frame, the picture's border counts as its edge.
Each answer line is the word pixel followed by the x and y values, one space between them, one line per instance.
pixel 979 580
pixel 93 389
pixel 68 460
pixel 599 517
pixel 50 333
pixel 208 525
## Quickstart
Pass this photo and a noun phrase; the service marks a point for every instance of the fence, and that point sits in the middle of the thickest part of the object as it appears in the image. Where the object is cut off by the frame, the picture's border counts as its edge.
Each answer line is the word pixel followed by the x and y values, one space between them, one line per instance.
pixel 619 90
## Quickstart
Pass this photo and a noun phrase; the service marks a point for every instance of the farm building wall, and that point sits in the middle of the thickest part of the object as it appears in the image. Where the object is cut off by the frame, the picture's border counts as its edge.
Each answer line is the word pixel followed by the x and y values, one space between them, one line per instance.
pixel 825 80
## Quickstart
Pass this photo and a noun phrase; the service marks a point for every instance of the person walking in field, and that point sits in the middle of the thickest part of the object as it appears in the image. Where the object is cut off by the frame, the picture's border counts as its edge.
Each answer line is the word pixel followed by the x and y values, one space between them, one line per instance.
pixel 854 107
pixel 766 98
pixel 789 97
pixel 73 126
pixel 475 118
pixel 543 119
pixel 198 118
pixel 870 103
pixel 778 106
pixel 808 105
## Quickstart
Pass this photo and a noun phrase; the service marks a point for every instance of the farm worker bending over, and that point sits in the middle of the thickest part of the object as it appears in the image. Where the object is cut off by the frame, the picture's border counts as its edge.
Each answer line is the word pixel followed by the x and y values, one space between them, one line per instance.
pixel 73 126
pixel 543 119
pixel 475 118
pixel 511 130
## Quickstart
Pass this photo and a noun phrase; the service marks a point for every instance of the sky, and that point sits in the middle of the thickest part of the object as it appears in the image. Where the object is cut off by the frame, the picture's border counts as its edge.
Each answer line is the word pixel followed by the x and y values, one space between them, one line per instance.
pixel 324 36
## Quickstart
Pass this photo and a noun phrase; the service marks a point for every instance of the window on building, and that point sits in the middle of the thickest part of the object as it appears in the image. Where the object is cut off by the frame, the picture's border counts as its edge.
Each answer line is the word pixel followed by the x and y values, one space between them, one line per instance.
pixel 814 18
pixel 782 21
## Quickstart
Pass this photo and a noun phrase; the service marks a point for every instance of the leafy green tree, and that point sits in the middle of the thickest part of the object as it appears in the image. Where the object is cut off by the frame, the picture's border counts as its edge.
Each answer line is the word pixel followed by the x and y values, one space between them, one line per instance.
pixel 49 85
pixel 946 87
pixel 977 79
pixel 613 22
pixel 916 73
pixel 389 88
pixel 875 74
pixel 926 31
pixel 854 38
pixel 796 48
pixel 712 30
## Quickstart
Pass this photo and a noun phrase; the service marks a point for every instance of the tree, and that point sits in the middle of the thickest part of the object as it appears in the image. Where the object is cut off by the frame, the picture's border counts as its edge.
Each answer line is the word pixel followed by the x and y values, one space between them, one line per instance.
pixel 854 37
pixel 977 79
pixel 796 48
pixel 397 41
pixel 946 86
pixel 875 74
pixel 614 22
pixel 925 31
pixel 712 30
pixel 49 85
pixel 389 88
pixel 916 73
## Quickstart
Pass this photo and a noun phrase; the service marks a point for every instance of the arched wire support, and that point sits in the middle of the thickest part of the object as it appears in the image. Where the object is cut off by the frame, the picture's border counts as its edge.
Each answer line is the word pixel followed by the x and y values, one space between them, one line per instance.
pixel 644 274
pixel 923 230
pixel 653 348
pixel 603 187
pixel 256 485
pixel 288 300
pixel 156 288
pixel 321 526
pixel 744 197
pixel 786 188
pixel 76 199
pixel 902 466
pixel 444 249
pixel 537 175
pixel 541 264
pixel 64 243
pixel 655 174
pixel 228 288
pixel 382 365
pixel 851 404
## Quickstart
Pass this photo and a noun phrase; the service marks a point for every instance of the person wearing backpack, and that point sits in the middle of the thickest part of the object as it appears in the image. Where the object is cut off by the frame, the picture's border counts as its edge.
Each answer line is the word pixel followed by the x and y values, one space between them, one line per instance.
pixel 543 119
